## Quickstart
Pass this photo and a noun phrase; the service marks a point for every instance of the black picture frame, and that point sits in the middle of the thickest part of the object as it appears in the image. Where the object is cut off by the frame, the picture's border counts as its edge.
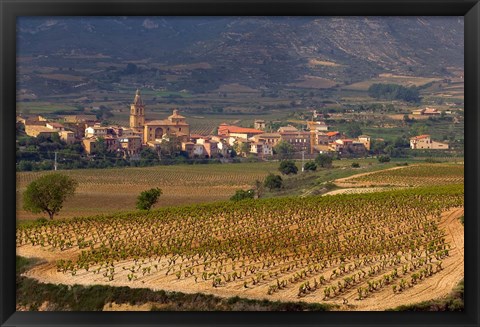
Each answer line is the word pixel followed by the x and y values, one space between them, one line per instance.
pixel 10 9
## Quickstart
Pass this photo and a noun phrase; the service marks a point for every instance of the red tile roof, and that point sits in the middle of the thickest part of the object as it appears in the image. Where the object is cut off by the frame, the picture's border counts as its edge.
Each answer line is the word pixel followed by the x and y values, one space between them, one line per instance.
pixel 424 136
pixel 332 133
pixel 55 124
pixel 237 129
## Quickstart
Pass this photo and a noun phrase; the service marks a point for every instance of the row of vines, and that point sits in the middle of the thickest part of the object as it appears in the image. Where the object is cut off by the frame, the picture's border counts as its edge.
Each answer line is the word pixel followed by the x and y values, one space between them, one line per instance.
pixel 414 176
pixel 326 247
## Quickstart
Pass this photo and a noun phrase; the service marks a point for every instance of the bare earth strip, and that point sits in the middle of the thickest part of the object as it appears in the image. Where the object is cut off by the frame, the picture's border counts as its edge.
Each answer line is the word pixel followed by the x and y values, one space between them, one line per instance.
pixel 359 190
pixel 437 286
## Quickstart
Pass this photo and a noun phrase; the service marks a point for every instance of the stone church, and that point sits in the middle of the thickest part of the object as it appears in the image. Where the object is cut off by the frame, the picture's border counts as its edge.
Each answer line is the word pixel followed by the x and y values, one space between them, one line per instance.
pixel 155 130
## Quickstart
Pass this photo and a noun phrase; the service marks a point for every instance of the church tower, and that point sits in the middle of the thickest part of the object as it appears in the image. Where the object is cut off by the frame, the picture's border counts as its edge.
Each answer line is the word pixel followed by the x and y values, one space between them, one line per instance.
pixel 137 112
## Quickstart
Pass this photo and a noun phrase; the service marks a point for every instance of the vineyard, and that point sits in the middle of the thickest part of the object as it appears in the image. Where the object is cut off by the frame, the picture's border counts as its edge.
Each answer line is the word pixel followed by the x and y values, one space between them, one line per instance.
pixel 344 249
pixel 410 176
pixel 113 190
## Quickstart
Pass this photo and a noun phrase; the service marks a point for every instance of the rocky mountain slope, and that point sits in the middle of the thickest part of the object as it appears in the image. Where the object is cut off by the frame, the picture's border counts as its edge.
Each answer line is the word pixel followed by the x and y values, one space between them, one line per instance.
pixel 254 51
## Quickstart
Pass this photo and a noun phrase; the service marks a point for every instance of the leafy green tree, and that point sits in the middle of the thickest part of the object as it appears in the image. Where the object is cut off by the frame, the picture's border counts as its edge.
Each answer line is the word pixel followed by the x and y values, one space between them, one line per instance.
pixel 353 130
pixel 418 129
pixel 273 182
pixel 284 150
pixel 47 193
pixel 324 161
pixel 402 142
pixel 242 195
pixel 394 92
pixel 288 167
pixel 355 165
pixel 377 146
pixel 241 147
pixel 147 199
pixel 310 166
pixel 149 154
pixel 25 165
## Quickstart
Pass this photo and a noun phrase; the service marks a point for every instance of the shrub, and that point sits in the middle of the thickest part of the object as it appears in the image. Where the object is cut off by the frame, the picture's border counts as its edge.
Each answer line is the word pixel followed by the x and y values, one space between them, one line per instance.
pixel 384 159
pixel 147 199
pixel 324 161
pixel 288 167
pixel 310 166
pixel 355 165
pixel 242 195
pixel 273 182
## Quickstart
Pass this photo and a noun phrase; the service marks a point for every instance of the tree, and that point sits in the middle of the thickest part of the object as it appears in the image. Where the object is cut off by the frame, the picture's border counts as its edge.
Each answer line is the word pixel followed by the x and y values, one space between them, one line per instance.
pixel 288 167
pixel 259 188
pixel 273 181
pixel 147 199
pixel 47 193
pixel 130 69
pixel 242 195
pixel 241 148
pixel 310 166
pixel 377 146
pixel 394 92
pixel 324 161
pixel 284 150
pixel 401 142
pixel 148 154
pixel 353 130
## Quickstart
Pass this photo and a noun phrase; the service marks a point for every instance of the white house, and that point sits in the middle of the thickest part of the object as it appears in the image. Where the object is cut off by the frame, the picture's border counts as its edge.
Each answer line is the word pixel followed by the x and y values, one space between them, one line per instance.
pixel 95 131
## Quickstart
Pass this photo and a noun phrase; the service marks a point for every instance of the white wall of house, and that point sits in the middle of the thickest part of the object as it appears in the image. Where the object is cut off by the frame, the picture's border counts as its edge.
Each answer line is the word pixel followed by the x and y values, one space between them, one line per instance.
pixel 198 149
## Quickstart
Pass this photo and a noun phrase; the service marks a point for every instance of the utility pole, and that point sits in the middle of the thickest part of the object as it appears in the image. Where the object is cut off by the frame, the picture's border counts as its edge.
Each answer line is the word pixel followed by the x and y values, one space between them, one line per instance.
pixel 55 165
pixel 303 160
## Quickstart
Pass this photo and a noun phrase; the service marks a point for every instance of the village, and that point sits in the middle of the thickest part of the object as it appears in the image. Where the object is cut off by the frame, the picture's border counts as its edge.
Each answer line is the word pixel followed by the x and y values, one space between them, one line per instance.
pixel 228 141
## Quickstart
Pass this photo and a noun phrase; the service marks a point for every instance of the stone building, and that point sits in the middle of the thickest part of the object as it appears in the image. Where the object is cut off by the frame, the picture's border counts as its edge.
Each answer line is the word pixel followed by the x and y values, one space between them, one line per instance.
pixel 155 130
pixel 425 142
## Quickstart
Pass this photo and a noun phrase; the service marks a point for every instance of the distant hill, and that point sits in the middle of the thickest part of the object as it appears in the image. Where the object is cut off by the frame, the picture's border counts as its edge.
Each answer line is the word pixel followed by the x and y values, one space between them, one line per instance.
pixel 253 51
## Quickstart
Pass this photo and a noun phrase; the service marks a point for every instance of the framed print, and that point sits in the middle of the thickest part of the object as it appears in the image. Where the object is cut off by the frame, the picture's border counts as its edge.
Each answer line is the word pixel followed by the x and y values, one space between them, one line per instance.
pixel 239 163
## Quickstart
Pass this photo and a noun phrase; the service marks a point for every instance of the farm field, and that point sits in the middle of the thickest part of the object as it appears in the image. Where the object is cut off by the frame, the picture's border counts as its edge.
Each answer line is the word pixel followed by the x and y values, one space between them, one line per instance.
pixel 368 251
pixel 362 252
pixel 392 79
pixel 112 190
pixel 408 176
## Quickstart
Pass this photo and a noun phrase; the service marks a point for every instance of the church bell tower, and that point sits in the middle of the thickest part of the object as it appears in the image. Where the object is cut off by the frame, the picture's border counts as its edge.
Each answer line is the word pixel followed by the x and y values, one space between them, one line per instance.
pixel 137 112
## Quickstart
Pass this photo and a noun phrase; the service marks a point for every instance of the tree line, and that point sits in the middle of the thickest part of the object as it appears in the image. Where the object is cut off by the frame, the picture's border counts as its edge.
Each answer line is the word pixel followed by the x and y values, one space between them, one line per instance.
pixel 394 92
